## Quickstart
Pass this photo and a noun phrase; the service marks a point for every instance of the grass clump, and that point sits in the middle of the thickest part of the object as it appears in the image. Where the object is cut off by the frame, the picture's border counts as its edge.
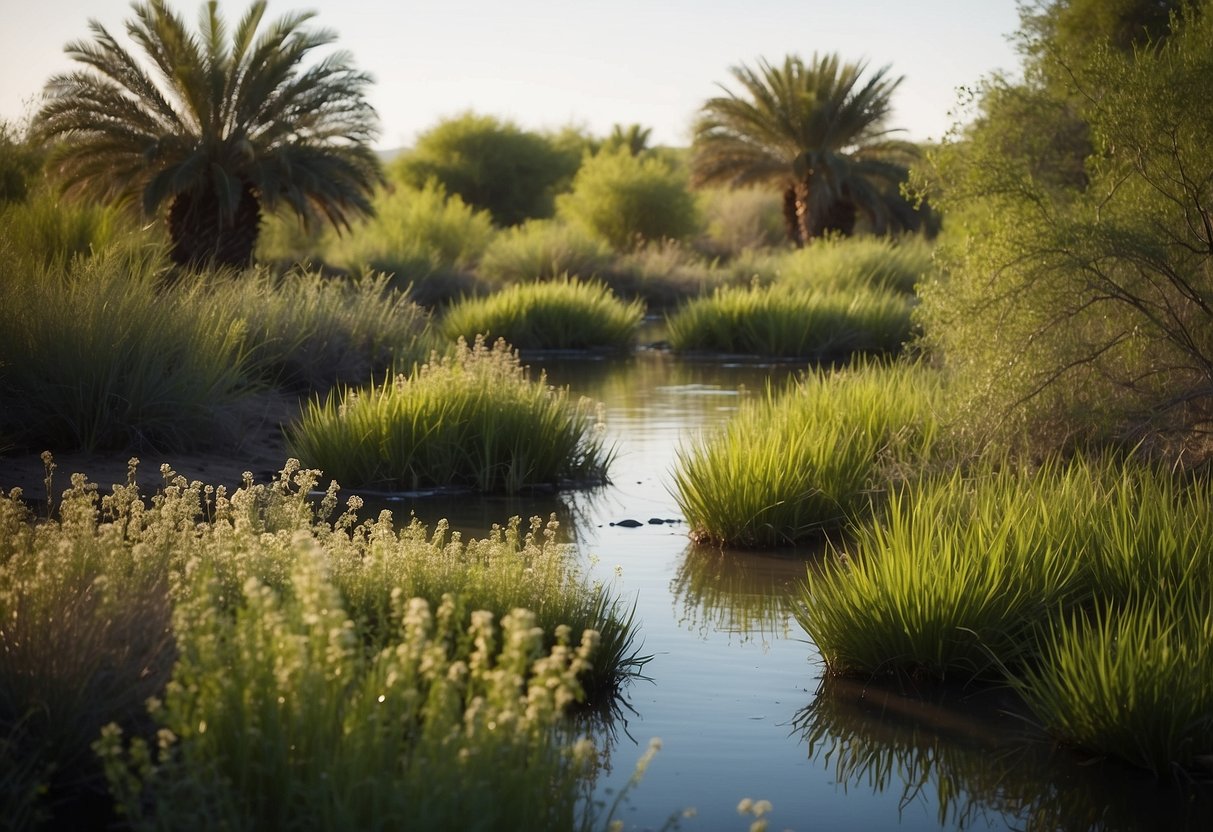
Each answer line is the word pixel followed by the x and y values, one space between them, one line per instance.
pixel 790 466
pixel 862 262
pixel 45 230
pixel 562 314
pixel 1086 585
pixel 782 322
pixel 467 421
pixel 100 353
pixel 291 676
pixel 543 250
pixel 310 331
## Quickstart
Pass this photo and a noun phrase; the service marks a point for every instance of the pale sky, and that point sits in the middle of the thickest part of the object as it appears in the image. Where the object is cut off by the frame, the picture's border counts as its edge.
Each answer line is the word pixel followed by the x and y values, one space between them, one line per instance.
pixel 546 64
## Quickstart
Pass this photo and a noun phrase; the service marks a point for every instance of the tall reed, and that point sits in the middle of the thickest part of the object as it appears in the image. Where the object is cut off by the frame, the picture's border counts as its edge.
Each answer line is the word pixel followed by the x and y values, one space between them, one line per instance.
pixel 469 420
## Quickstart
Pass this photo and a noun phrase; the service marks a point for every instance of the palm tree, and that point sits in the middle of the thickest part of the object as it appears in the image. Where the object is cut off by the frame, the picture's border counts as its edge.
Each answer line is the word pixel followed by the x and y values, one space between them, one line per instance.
pixel 216 127
pixel 815 130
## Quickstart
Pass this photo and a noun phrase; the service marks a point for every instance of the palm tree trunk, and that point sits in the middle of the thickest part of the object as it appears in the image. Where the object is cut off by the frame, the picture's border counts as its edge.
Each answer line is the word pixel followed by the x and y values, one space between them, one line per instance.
pixel 791 218
pixel 201 236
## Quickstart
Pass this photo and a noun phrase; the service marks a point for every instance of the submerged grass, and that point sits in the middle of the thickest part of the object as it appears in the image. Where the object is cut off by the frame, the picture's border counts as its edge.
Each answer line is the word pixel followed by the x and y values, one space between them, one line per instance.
pixel 469 420
pixel 560 314
pixel 792 465
pixel 302 681
pixel 782 322
pixel 1085 584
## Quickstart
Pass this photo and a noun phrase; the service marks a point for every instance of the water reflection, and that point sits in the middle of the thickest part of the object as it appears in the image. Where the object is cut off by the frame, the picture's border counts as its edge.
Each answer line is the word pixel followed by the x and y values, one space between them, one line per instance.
pixel 744 594
pixel 978 762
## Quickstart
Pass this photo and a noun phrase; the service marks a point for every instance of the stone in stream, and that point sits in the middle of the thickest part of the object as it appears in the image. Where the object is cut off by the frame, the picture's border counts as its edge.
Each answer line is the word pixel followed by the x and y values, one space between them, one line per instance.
pixel 629 523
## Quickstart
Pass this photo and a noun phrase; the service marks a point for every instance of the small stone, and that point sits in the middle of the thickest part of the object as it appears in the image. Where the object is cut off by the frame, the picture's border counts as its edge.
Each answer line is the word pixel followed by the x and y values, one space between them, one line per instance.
pixel 628 524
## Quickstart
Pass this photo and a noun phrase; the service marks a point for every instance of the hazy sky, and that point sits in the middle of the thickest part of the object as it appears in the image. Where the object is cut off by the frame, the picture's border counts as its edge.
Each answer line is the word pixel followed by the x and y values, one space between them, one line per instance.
pixel 545 64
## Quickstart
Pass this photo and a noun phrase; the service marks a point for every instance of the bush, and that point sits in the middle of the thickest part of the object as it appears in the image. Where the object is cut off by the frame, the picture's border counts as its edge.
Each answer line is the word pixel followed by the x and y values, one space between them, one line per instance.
pixel 791 466
pixel 782 322
pixel 492 166
pixel 856 263
pixel 20 164
pixel 467 421
pixel 543 250
pixel 742 219
pixel 626 200
pixel 45 230
pixel 564 314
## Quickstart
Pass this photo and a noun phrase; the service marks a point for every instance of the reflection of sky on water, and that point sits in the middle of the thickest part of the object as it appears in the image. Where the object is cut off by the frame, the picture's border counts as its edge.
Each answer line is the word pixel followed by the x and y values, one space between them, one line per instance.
pixel 734 691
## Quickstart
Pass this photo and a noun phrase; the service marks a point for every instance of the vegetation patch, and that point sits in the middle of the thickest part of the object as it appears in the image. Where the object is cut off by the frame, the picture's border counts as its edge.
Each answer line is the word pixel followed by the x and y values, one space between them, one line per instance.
pixel 293 666
pixel 788 323
pixel 793 465
pixel 543 250
pixel 1085 584
pixel 561 314
pixel 469 420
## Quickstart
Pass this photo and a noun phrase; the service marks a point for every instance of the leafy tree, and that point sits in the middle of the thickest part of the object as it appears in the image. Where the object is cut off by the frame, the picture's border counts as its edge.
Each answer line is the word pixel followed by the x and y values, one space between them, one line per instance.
pixel 817 131
pixel 1085 314
pixel 627 200
pixel 217 127
pixel 492 165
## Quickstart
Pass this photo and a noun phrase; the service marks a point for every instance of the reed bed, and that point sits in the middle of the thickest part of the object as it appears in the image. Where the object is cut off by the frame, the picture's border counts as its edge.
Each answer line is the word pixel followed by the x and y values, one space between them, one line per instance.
pixel 260 663
pixel 469 420
pixel 561 314
pixel 793 465
pixel 1085 584
pixel 792 323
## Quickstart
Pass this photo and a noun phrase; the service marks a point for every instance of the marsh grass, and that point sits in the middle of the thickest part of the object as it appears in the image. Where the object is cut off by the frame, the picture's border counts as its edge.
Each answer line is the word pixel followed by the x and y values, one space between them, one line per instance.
pixel 782 322
pixel 861 262
pixel 469 420
pixel 46 230
pixel 559 314
pixel 543 250
pixel 1085 584
pixel 793 465
pixel 309 331
pixel 261 664
pixel 99 353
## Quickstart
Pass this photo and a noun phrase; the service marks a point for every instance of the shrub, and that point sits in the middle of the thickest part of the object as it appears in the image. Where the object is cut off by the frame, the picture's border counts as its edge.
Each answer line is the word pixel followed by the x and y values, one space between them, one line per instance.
pixel 492 166
pixel 20 163
pixel 100 353
pixel 543 250
pixel 855 263
pixel 44 230
pixel 626 200
pixel 790 466
pixel 741 219
pixel 778 321
pixel 469 420
pixel 564 314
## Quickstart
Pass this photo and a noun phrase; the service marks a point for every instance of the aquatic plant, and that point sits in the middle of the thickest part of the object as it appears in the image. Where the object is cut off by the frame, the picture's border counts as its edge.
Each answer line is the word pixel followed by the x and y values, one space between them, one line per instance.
pixel 783 322
pixel 468 420
pixel 560 314
pixel 792 465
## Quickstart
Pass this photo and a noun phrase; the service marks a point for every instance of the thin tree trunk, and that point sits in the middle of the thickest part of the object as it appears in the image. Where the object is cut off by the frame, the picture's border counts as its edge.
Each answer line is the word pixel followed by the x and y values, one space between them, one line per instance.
pixel 791 219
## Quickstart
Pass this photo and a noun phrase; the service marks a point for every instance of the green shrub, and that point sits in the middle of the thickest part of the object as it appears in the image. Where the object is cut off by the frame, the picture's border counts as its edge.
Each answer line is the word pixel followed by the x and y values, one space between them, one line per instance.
pixel 742 219
pixel 20 164
pixel 492 166
pixel 789 466
pixel 100 353
pixel 626 200
pixel 468 421
pixel 44 229
pixel 563 314
pixel 778 321
pixel 543 250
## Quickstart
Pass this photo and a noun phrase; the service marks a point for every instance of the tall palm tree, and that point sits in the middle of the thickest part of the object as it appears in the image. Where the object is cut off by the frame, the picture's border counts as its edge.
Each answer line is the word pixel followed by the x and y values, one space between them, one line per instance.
pixel 216 127
pixel 817 131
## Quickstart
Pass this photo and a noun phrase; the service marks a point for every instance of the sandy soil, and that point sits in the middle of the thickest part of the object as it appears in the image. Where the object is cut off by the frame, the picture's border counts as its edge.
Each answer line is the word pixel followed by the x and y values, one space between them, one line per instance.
pixel 256 445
